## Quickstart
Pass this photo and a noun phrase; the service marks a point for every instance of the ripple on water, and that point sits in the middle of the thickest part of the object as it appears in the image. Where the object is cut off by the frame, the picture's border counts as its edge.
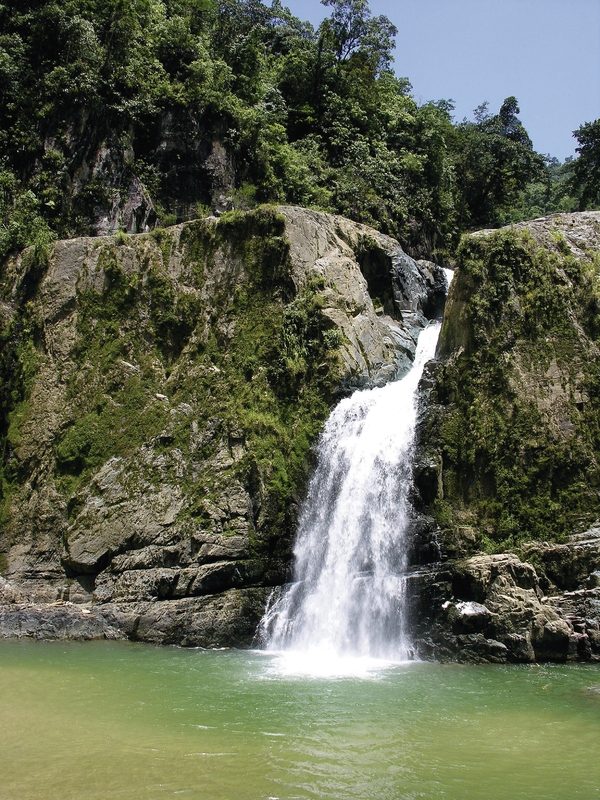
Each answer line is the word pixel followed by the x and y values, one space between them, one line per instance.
pixel 216 726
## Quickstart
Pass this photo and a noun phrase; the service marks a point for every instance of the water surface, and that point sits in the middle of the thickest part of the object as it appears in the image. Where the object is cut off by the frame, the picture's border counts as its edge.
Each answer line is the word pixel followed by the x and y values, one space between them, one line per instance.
pixel 116 720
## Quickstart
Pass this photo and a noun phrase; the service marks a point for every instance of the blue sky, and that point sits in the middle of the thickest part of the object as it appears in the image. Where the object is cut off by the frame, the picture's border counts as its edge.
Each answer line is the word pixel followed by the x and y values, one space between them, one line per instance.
pixel 545 52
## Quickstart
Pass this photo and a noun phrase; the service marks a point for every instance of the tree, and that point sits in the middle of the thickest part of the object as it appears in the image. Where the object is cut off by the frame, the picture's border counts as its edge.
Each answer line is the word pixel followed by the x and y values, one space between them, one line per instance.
pixel 494 161
pixel 586 168
pixel 202 99
pixel 352 30
pixel 509 125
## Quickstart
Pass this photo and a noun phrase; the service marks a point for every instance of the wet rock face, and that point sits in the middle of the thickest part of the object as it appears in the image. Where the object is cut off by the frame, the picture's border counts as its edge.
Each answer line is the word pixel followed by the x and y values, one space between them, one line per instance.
pixel 375 294
pixel 507 443
pixel 112 183
pixel 165 391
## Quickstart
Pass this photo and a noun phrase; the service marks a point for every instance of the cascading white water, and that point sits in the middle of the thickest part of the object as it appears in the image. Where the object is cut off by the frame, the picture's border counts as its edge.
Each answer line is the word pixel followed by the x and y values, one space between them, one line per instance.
pixel 347 598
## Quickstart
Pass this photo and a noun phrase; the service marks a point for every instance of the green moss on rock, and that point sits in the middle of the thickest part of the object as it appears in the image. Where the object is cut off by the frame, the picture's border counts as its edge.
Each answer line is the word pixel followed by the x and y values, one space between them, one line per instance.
pixel 520 386
pixel 223 336
pixel 19 365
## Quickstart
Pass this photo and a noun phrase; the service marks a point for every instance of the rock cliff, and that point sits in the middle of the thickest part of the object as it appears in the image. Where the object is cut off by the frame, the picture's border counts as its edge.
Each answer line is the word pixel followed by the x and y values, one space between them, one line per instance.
pixel 507 472
pixel 160 397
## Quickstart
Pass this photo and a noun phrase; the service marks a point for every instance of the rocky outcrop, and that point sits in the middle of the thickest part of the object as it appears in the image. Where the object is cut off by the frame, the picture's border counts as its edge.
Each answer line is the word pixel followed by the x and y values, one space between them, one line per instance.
pixel 500 608
pixel 365 306
pixel 125 180
pixel 160 397
pixel 507 468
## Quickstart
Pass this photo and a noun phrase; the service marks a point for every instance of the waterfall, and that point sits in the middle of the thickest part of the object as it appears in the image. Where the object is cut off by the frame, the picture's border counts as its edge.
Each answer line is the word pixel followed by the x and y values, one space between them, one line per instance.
pixel 347 598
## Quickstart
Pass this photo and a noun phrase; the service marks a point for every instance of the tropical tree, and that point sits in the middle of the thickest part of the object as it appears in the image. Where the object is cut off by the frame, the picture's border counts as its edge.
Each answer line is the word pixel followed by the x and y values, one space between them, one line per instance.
pixel 586 168
pixel 352 30
pixel 494 161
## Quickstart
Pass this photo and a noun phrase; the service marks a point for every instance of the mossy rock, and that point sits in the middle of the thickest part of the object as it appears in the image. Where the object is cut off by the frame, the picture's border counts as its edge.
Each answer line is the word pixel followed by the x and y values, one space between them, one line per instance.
pixel 519 385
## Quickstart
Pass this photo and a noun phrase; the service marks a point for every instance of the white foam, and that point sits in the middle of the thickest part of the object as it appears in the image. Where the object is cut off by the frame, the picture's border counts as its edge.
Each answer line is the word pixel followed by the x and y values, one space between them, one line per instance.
pixel 316 663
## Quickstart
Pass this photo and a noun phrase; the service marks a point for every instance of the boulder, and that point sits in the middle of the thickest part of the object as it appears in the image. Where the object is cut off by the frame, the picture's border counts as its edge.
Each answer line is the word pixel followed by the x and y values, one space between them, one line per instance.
pixel 492 608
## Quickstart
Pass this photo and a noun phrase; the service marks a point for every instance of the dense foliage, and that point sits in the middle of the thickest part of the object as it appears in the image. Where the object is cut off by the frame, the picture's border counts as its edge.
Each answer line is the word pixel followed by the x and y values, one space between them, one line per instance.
pixel 193 104
pixel 586 169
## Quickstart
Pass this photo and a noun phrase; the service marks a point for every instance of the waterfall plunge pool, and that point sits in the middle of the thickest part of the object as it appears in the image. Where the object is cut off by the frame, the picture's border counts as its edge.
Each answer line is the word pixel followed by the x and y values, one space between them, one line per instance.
pixel 106 720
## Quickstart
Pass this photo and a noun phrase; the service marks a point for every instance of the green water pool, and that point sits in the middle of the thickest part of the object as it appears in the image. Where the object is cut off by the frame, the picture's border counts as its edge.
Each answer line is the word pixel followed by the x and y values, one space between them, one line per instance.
pixel 98 721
